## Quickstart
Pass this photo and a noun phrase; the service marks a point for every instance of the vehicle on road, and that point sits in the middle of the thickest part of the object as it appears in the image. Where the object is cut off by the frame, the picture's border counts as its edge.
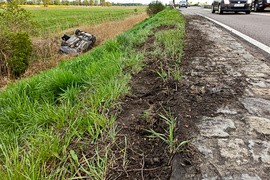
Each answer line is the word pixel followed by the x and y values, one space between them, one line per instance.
pixel 183 4
pixel 231 6
pixel 260 5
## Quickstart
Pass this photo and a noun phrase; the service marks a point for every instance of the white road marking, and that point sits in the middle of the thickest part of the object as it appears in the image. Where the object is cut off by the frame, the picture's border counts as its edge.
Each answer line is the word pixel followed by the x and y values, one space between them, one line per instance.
pixel 261 14
pixel 247 38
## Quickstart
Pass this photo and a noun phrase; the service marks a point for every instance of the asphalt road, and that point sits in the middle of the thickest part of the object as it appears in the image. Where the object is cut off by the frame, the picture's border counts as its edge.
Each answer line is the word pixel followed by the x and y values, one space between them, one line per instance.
pixel 254 25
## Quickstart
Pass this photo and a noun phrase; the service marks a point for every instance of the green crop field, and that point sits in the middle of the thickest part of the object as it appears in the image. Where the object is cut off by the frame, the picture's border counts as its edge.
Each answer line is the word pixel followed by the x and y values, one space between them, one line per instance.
pixel 59 19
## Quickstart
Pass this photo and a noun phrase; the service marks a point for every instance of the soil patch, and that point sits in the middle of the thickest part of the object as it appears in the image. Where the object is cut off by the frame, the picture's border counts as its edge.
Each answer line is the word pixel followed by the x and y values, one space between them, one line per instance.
pixel 188 100
pixel 150 158
pixel 146 158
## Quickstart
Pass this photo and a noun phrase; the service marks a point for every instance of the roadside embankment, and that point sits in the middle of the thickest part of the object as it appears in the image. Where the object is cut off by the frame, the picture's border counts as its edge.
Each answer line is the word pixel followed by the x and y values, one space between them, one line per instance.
pixel 59 124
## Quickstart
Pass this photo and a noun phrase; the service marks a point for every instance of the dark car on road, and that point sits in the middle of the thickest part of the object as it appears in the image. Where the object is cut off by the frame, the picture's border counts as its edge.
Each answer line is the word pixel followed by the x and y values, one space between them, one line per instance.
pixel 260 5
pixel 231 6
pixel 183 4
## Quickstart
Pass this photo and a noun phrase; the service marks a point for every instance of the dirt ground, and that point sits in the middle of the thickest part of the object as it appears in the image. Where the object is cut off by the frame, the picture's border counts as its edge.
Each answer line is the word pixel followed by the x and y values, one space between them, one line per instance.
pixel 223 98
pixel 150 158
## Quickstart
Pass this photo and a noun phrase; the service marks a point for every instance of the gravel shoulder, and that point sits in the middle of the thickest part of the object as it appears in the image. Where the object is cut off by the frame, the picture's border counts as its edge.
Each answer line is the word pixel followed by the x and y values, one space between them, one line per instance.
pixel 230 97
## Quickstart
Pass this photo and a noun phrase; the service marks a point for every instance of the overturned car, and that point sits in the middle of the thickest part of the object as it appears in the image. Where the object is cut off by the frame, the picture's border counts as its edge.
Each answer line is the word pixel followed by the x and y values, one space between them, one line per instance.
pixel 80 42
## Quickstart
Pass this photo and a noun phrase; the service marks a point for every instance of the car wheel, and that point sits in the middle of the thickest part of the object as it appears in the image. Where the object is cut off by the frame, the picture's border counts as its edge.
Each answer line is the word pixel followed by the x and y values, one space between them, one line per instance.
pixel 213 11
pixel 77 31
pixel 220 11
pixel 256 7
pixel 247 12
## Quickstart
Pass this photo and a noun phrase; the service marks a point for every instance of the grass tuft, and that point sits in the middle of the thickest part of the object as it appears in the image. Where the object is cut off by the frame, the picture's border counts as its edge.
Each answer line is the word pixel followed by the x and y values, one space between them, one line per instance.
pixel 168 136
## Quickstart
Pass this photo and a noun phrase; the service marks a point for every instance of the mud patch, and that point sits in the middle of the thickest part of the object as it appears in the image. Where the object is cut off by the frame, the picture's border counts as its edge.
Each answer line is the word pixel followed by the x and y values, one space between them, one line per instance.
pixel 206 103
pixel 151 95
pixel 144 157
pixel 187 100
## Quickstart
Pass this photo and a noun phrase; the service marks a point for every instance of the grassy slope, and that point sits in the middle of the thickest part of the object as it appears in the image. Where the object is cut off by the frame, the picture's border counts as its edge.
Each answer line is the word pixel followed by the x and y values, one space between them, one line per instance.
pixel 42 116
pixel 57 19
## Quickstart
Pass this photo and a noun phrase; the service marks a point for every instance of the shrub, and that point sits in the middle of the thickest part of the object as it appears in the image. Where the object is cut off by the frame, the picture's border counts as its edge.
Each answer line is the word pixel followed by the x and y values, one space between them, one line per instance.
pixel 20 46
pixel 15 45
pixel 14 18
pixel 154 7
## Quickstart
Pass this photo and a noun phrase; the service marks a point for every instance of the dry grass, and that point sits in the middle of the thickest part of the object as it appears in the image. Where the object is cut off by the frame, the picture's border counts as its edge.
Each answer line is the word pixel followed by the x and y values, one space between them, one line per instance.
pixel 46 48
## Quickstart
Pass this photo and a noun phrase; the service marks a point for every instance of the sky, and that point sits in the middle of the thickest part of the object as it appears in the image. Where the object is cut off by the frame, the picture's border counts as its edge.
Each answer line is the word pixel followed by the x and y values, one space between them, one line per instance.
pixel 163 1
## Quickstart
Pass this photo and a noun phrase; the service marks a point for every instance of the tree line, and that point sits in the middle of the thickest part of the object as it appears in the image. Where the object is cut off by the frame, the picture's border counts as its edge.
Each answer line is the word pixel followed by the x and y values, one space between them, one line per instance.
pixel 67 2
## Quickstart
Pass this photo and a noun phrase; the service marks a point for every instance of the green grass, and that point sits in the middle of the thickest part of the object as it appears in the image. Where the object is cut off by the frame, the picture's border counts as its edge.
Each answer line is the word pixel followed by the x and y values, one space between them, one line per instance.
pixel 44 117
pixel 168 136
pixel 59 19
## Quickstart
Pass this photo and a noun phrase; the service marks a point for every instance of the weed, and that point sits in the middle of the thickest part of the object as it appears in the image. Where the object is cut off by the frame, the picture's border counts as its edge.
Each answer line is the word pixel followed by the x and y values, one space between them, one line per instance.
pixel 147 114
pixel 173 46
pixel 96 166
pixel 168 136
pixel 112 132
pixel 177 73
pixel 125 153
pixel 162 74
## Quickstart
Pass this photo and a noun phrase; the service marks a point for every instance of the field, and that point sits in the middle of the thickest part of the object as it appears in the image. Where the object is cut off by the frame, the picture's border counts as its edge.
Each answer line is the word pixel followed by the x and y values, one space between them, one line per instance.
pixel 53 20
pixel 61 123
